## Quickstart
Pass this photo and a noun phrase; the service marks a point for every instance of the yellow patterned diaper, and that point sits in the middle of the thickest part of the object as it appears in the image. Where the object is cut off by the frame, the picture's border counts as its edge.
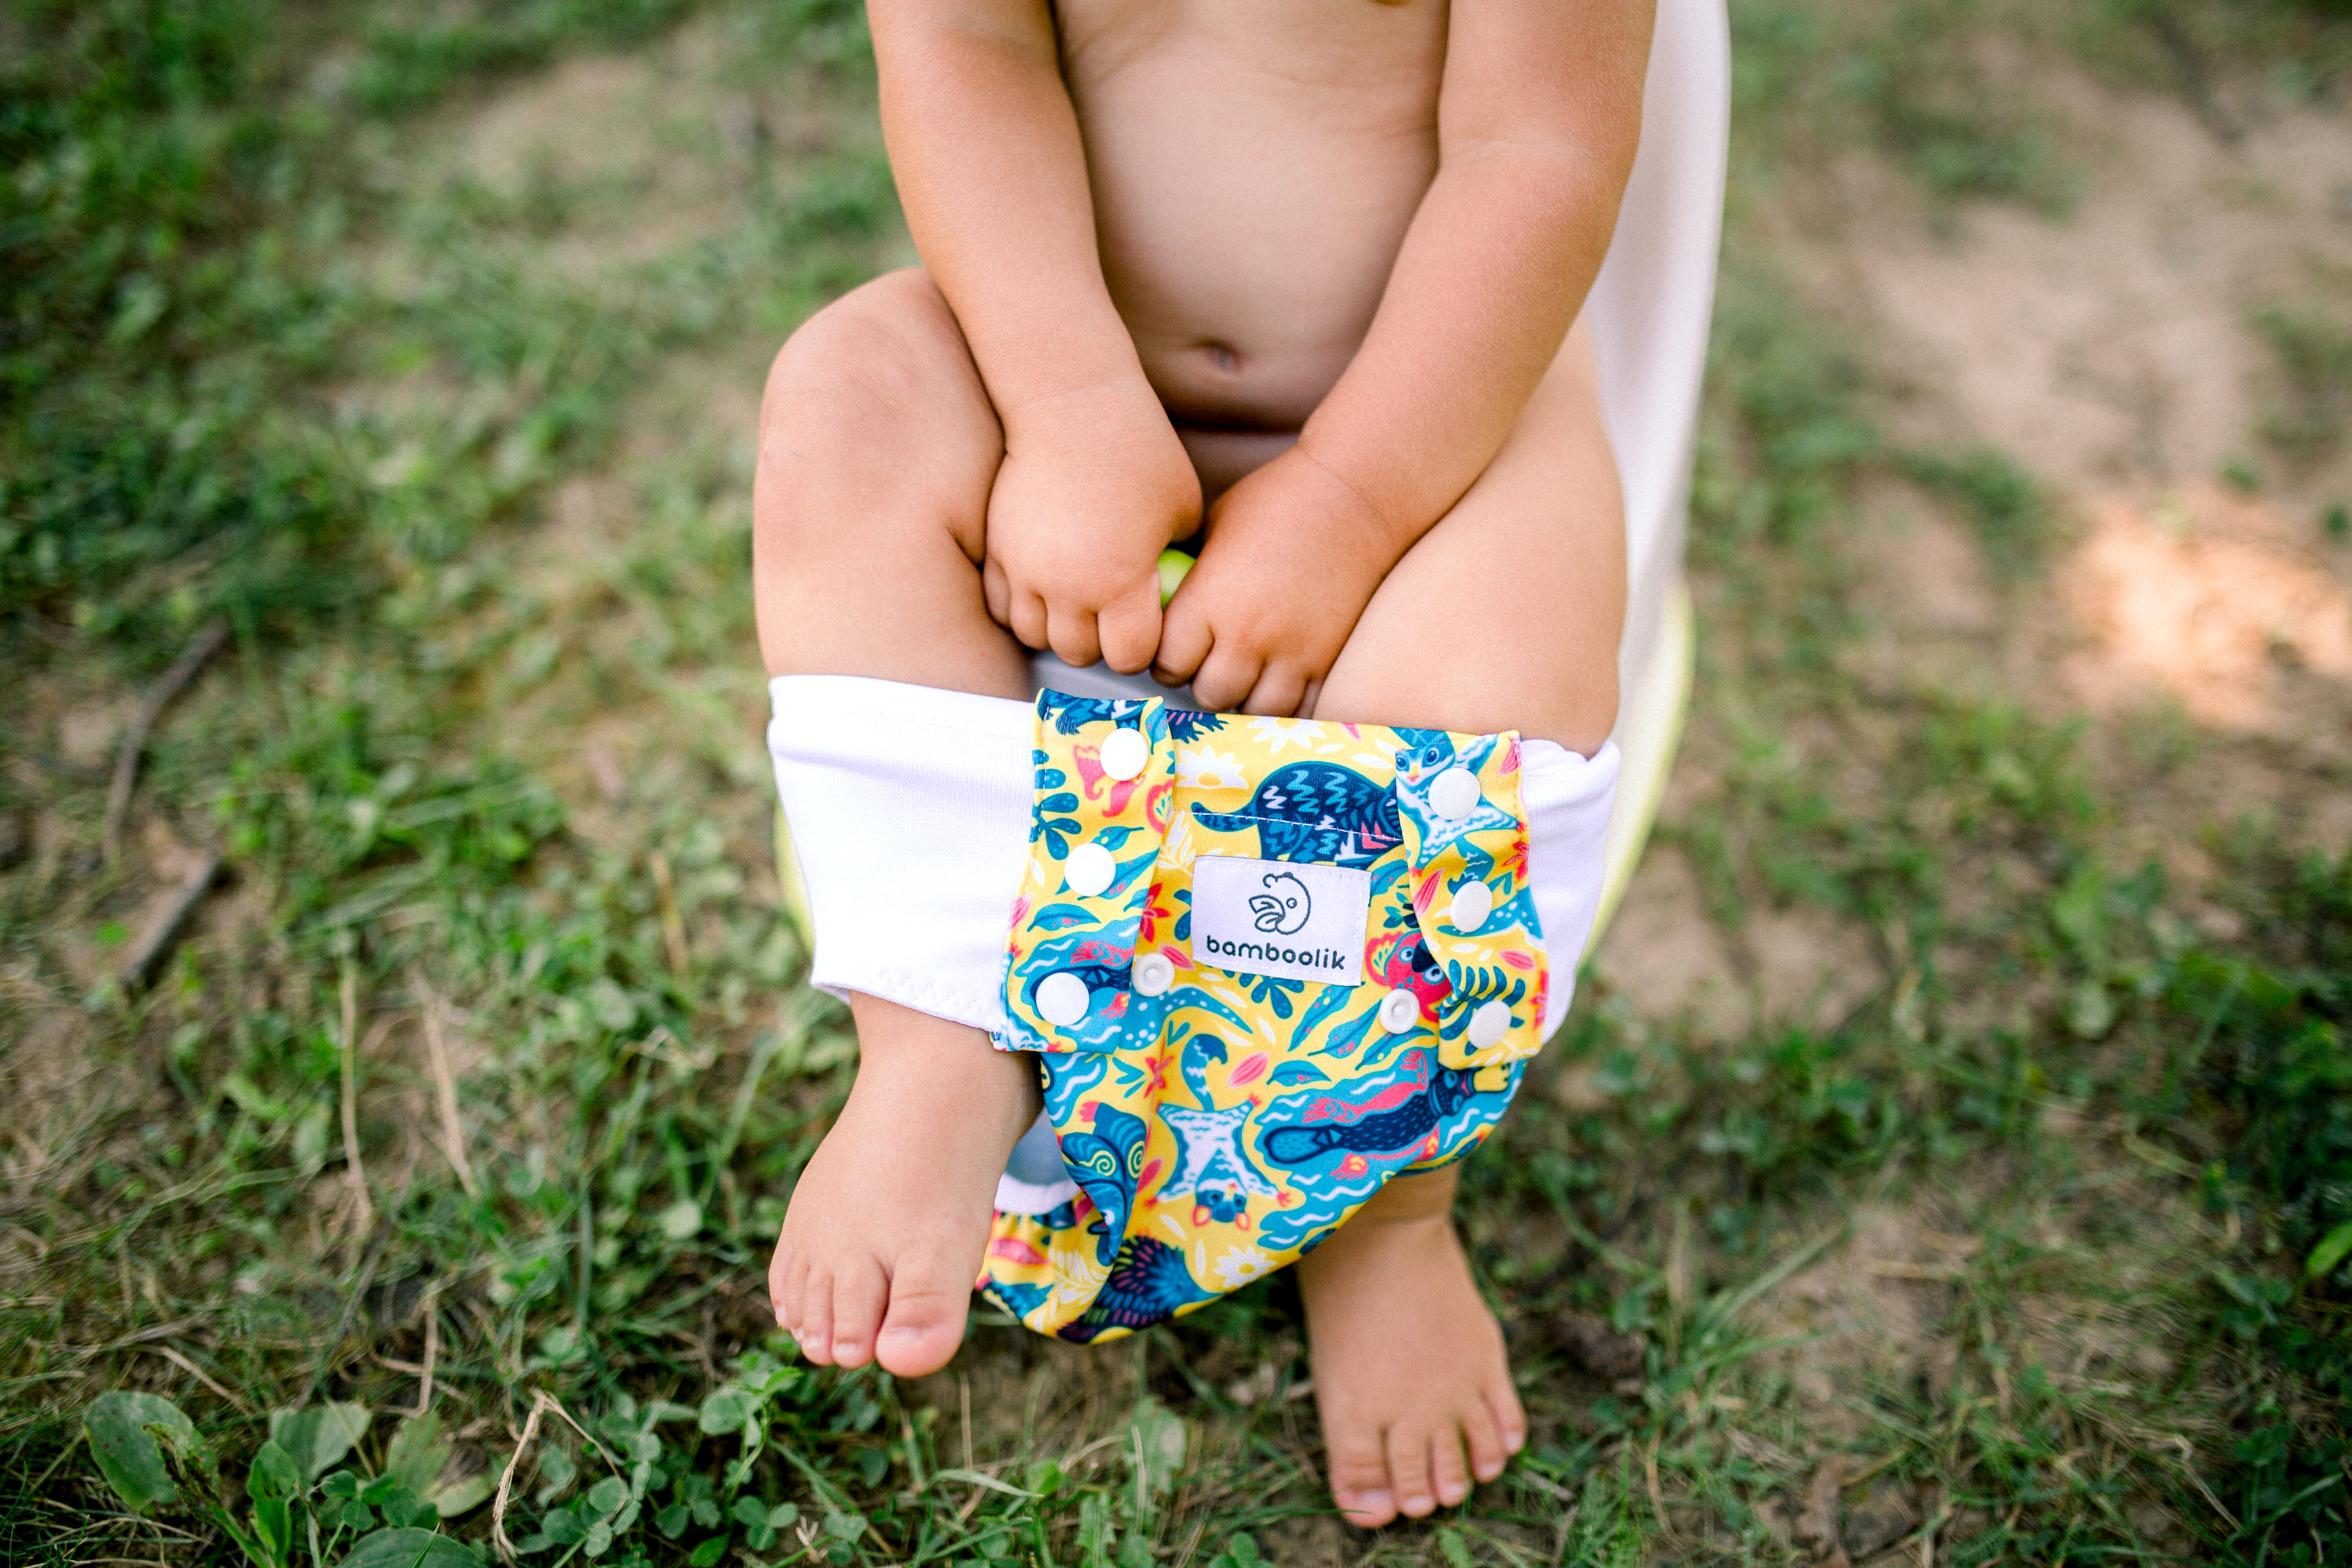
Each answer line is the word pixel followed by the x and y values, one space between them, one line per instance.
pixel 1266 964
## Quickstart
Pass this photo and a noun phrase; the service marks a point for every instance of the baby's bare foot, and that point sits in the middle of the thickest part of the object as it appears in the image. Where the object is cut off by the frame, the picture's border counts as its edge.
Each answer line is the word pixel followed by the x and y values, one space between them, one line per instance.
pixel 1409 1366
pixel 888 1225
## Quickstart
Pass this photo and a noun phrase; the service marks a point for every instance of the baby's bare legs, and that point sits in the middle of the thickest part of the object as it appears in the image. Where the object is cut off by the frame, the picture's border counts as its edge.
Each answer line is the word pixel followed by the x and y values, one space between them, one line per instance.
pixel 877 449
pixel 1505 615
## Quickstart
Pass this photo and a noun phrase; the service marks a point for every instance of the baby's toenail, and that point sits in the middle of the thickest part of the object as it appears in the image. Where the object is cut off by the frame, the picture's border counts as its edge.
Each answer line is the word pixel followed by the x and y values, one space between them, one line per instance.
pixel 1513 1441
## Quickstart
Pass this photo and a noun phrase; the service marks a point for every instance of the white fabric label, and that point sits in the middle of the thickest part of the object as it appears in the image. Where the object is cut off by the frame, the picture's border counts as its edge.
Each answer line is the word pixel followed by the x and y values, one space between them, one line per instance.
pixel 1297 920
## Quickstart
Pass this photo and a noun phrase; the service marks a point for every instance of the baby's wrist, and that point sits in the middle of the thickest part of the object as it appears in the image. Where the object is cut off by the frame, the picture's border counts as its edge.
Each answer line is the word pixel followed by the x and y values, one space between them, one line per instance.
pixel 1367 532
pixel 1089 402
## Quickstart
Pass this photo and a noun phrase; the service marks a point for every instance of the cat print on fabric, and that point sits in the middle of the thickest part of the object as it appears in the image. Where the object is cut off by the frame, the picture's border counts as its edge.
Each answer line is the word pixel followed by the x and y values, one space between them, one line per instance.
pixel 1424 764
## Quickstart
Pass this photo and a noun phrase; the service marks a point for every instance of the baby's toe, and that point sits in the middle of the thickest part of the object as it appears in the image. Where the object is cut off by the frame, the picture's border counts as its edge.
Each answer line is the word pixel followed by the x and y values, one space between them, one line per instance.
pixel 859 1290
pixel 815 1331
pixel 1448 1473
pixel 1510 1417
pixel 1416 1492
pixel 1359 1477
pixel 788 1288
pixel 779 1274
pixel 929 1299
pixel 1484 1440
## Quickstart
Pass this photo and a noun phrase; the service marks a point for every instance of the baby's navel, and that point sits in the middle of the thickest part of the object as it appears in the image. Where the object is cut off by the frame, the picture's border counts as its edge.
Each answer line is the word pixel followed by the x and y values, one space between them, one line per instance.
pixel 1223 356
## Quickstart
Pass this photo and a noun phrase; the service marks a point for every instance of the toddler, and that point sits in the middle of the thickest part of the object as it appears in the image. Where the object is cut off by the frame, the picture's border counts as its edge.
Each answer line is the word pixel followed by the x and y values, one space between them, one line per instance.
pixel 1294 283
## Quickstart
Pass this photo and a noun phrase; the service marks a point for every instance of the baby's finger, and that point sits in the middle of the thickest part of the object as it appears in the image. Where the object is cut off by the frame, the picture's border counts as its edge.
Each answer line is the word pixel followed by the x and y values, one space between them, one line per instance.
pixel 996 589
pixel 1027 618
pixel 1185 640
pixel 1070 632
pixel 1225 678
pixel 1280 688
pixel 1129 629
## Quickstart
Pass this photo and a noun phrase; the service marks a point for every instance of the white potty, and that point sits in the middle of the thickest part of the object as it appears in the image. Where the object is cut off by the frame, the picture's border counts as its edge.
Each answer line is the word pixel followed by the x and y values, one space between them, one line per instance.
pixel 1649 311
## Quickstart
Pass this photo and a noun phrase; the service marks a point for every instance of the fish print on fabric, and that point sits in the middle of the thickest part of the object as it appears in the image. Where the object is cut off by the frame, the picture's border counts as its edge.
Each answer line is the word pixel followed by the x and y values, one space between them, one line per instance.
pixel 1217 1123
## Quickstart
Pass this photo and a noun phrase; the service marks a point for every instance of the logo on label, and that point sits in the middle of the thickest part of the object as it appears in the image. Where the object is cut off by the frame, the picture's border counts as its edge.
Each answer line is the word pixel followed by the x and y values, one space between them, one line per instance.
pixel 1285 906
pixel 1296 920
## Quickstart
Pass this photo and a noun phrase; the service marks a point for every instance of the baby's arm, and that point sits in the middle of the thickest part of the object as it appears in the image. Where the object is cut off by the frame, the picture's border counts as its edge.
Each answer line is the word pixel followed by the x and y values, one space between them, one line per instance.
pixel 984 146
pixel 1538 116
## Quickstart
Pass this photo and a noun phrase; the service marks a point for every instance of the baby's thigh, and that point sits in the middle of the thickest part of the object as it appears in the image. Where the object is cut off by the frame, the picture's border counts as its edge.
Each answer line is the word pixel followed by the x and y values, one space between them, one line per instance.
pixel 1505 615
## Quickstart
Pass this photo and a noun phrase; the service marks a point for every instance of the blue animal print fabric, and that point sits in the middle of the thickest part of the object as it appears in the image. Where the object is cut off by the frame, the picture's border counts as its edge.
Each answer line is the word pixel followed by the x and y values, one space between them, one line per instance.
pixel 1266 965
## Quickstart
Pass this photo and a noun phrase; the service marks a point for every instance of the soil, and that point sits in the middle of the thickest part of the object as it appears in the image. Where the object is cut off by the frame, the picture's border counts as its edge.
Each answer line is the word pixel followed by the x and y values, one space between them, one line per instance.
pixel 2111 351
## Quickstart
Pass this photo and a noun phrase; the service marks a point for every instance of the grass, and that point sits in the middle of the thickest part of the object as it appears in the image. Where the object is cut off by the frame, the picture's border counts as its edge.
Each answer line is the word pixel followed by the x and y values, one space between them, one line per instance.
pixel 2312 357
pixel 489 1055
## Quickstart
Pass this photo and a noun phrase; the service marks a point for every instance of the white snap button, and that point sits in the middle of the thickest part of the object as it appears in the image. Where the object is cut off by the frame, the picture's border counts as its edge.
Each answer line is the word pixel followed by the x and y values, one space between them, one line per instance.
pixel 1062 999
pixel 1125 753
pixel 1088 870
pixel 1154 974
pixel 1471 907
pixel 1454 793
pixel 1400 1011
pixel 1490 1023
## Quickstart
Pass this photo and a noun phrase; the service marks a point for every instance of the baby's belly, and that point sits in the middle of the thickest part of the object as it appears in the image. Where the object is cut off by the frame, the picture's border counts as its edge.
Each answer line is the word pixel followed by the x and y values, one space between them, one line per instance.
pixel 1255 166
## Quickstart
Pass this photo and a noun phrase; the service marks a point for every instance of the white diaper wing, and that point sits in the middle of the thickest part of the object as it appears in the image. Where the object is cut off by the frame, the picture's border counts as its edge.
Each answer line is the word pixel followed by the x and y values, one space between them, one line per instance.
pixel 909 810
pixel 1568 799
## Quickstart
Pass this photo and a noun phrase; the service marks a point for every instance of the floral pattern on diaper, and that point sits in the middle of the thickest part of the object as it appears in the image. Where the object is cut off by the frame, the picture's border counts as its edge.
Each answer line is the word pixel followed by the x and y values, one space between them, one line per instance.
pixel 1218 1124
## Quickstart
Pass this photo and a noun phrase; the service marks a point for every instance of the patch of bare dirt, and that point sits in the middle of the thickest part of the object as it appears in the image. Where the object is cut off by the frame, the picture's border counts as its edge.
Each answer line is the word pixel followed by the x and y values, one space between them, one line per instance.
pixel 2113 351
pixel 616 152
pixel 2115 342
pixel 1787 966
pixel 1665 956
pixel 1921 572
pixel 2215 600
pixel 1859 1312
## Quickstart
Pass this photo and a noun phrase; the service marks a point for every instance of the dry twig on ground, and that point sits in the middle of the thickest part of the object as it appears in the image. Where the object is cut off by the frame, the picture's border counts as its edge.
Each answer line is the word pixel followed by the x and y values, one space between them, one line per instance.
pixel 193 658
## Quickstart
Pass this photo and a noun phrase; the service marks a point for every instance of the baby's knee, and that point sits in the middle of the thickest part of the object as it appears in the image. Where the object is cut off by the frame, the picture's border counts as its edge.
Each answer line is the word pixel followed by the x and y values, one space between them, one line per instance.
pixel 881 347
pixel 872 420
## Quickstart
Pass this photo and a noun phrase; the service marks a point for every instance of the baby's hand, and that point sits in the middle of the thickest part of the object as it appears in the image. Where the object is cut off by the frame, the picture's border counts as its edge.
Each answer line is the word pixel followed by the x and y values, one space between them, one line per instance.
pixel 1094 486
pixel 1293 557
